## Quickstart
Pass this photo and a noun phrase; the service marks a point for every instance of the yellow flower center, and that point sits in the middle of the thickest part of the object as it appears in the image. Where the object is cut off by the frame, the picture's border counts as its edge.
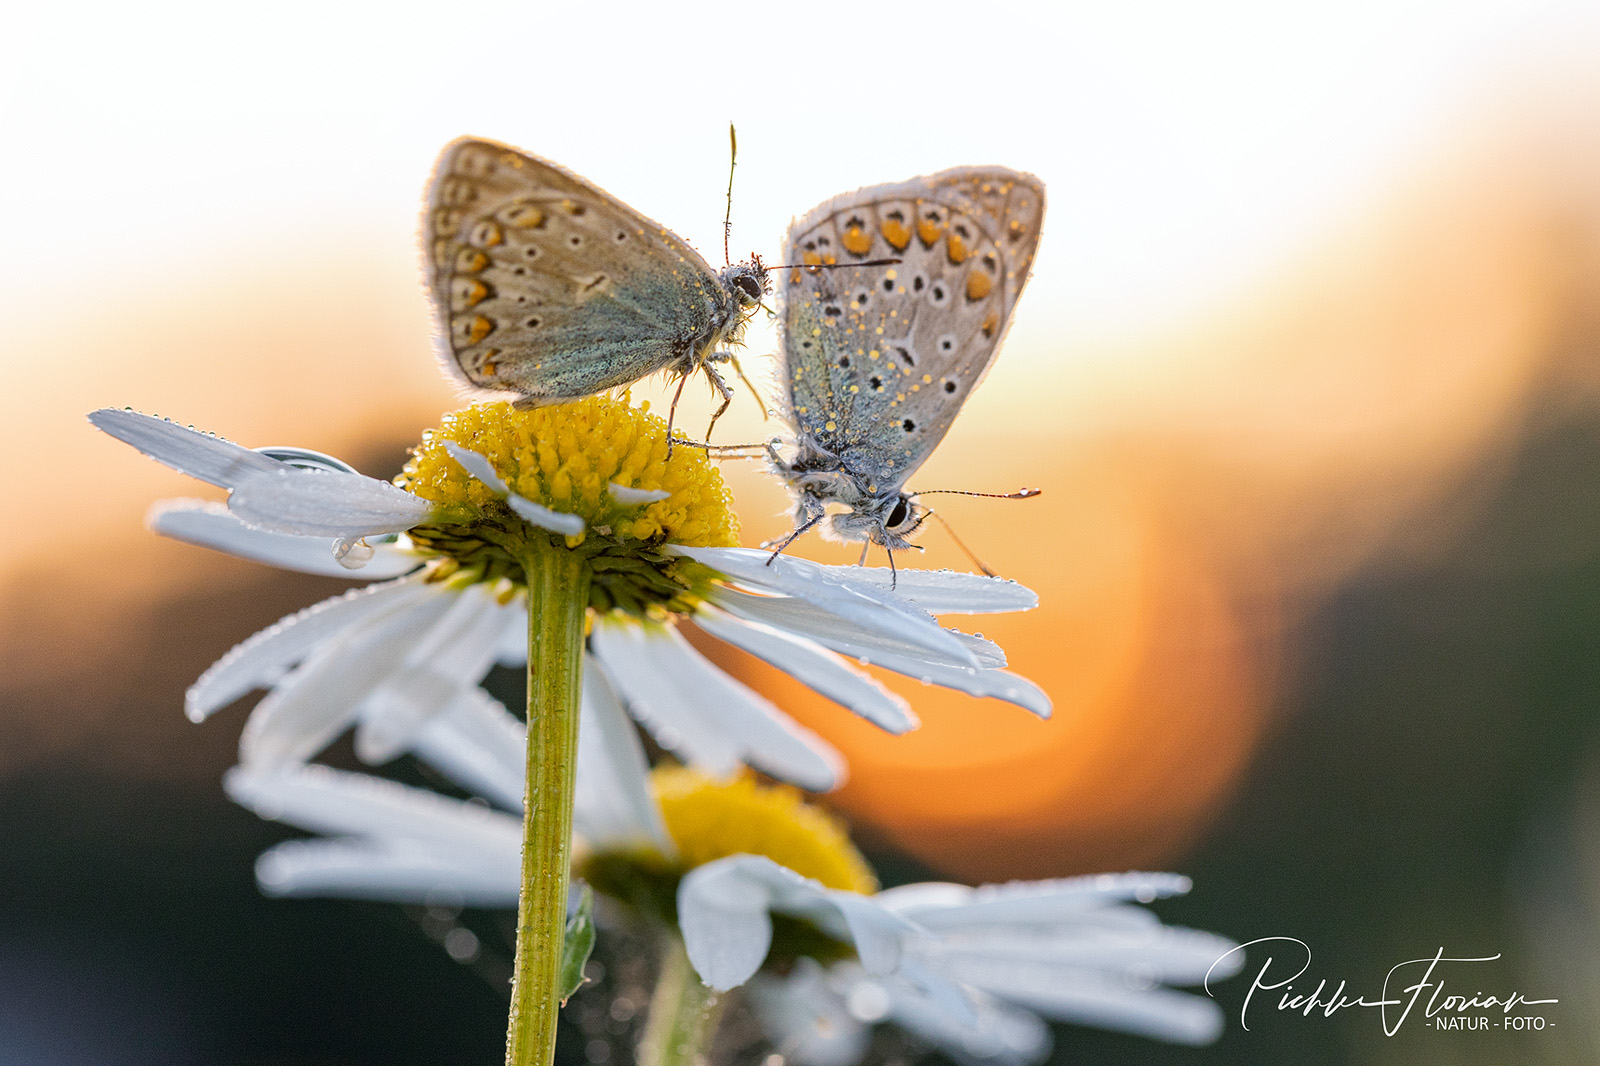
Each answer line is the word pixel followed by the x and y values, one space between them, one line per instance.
pixel 568 458
pixel 710 820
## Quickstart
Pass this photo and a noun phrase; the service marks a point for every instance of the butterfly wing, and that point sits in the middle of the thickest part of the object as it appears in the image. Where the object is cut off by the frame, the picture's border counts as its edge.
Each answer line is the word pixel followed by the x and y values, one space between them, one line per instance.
pixel 546 285
pixel 877 361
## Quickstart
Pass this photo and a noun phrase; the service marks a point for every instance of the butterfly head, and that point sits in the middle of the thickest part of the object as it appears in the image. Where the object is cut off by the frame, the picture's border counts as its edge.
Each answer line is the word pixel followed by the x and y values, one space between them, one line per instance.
pixel 748 282
pixel 885 520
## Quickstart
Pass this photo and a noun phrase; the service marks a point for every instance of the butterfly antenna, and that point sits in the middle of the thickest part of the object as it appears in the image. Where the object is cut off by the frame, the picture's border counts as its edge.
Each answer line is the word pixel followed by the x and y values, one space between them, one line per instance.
pixel 970 554
pixel 1020 494
pixel 792 537
pixel 727 219
pixel 760 399
pixel 836 266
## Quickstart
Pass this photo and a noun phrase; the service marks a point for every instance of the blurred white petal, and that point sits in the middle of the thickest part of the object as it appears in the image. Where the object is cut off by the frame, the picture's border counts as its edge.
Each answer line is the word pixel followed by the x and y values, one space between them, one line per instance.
pixel 318 701
pixel 814 667
pixel 263 659
pixel 458 650
pixel 613 810
pixel 479 745
pixel 695 709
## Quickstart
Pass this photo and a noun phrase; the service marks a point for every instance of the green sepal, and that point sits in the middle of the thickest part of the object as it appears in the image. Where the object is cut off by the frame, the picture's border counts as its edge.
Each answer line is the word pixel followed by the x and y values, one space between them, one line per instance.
pixel 577 946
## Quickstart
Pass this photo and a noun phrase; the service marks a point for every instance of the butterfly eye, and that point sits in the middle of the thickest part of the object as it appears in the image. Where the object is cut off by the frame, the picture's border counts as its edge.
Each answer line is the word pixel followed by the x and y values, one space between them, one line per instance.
pixel 898 513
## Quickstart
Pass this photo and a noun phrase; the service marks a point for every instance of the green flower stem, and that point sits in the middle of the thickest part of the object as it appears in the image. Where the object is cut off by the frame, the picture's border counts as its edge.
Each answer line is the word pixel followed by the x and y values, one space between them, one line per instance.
pixel 684 1013
pixel 558 595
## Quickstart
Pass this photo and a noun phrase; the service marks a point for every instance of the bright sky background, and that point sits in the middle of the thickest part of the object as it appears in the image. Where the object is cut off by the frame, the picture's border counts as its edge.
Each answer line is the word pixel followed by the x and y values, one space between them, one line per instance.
pixel 1185 146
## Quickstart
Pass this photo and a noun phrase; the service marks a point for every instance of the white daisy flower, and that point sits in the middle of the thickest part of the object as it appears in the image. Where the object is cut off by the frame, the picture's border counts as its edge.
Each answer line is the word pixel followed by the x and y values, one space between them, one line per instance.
pixel 768 892
pixel 447 602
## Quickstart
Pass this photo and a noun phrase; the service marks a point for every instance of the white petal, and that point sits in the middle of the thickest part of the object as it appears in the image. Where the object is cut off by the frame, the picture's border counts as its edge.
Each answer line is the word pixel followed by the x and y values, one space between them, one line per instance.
pixel 326 503
pixel 477 465
pixel 318 701
pixel 188 451
pixel 788 613
pixel 1160 1013
pixel 635 497
pixel 695 709
pixel 263 659
pixel 993 684
pixel 397 873
pixel 726 926
pixel 455 653
pixel 511 649
pixel 794 615
pixel 948 591
pixel 716 903
pixel 324 800
pixel 807 1018
pixel 988 1031
pixel 613 809
pixel 942 906
pixel 999 959
pixel 813 667
pixel 854 601
pixel 212 525
pixel 539 515
pixel 478 744
pixel 405 844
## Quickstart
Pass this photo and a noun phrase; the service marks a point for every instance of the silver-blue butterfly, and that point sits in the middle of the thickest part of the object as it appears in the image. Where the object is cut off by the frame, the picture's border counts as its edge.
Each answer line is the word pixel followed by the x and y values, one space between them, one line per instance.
pixel 547 286
pixel 876 361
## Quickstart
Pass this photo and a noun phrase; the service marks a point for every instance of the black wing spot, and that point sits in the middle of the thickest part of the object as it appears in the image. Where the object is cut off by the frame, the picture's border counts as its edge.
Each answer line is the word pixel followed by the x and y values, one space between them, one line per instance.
pixel 917 283
pixel 833 310
pixel 622 235
pixel 844 361
pixel 938 294
pixel 949 386
pixel 535 322
pixel 905 357
pixel 531 252
pixel 575 240
pixel 888 284
pixel 877 384
pixel 805 344
pixel 908 425
pixel 947 344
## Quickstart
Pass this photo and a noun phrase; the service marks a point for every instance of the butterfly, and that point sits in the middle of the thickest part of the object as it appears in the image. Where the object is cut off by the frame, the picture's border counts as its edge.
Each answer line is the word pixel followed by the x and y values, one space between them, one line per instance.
pixel 876 362
pixel 549 287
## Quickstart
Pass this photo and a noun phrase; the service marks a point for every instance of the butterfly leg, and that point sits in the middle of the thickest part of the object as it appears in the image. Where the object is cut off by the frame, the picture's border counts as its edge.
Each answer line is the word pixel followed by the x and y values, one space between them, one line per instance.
pixel 718 384
pixel 672 412
pixel 795 535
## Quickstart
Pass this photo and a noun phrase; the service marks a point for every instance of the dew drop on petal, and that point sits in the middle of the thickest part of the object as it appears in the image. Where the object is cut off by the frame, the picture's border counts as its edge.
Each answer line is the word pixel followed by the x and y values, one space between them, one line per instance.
pixel 353 554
